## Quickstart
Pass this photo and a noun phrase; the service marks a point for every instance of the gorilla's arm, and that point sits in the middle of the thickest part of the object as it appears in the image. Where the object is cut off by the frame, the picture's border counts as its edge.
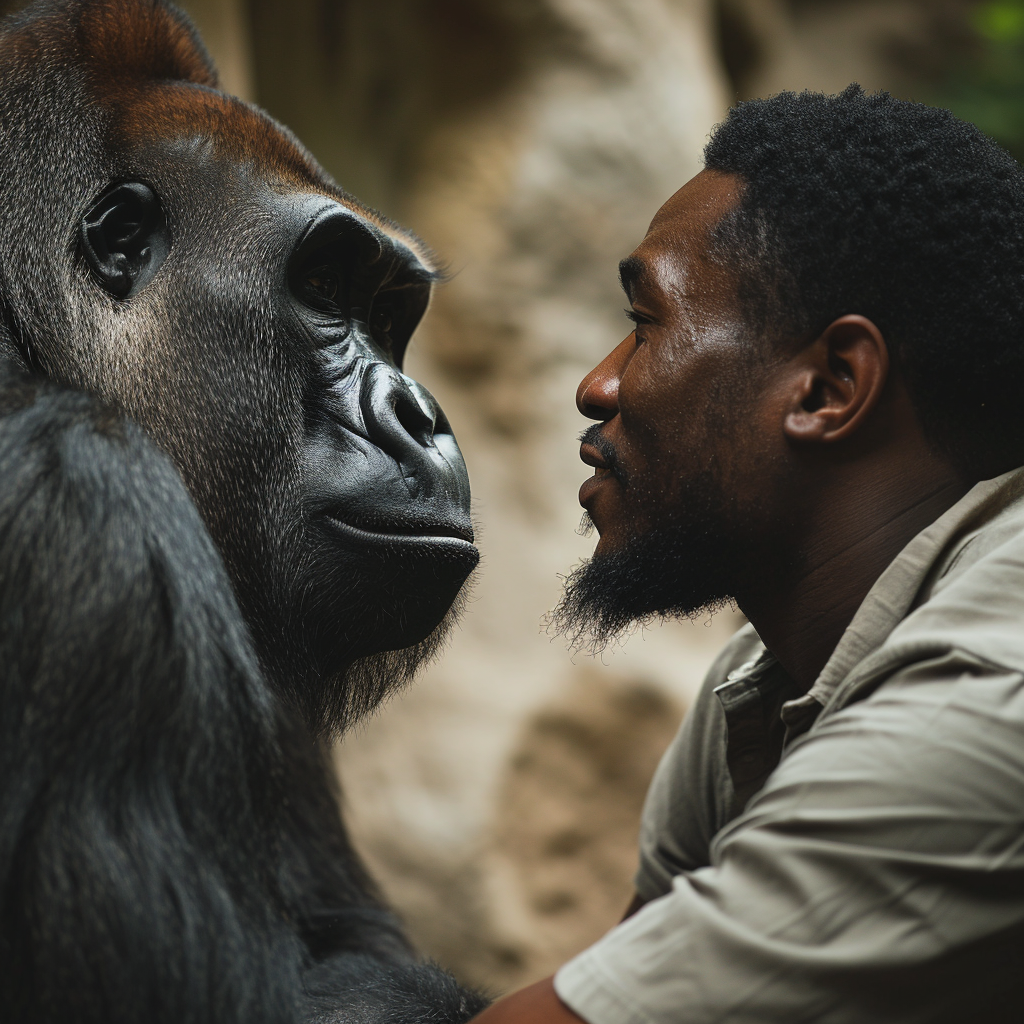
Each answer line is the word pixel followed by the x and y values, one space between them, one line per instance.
pixel 133 731
pixel 360 968
pixel 358 989
pixel 169 850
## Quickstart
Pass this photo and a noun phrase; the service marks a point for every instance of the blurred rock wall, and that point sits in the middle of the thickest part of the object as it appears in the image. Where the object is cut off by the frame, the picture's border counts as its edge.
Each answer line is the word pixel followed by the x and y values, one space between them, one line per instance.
pixel 903 46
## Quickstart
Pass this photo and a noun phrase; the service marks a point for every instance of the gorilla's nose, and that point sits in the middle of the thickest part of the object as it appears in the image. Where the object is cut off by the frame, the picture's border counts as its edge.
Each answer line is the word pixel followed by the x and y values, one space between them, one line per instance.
pixel 398 420
pixel 412 415
pixel 404 421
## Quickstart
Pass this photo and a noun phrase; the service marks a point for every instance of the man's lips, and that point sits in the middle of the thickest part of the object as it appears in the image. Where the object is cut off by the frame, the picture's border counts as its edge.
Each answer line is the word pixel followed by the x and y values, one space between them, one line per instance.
pixel 592 457
pixel 602 474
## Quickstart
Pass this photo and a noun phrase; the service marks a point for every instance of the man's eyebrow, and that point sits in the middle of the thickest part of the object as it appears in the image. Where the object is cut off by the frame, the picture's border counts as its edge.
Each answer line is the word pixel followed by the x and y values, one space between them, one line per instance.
pixel 631 269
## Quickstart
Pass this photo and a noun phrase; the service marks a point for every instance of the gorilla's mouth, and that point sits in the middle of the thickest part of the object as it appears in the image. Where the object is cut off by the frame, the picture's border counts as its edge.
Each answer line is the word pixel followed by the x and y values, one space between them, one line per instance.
pixel 426 534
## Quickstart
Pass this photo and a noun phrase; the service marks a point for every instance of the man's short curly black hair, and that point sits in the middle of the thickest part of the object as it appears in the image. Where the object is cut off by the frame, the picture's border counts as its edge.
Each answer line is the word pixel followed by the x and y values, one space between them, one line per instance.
pixel 906 215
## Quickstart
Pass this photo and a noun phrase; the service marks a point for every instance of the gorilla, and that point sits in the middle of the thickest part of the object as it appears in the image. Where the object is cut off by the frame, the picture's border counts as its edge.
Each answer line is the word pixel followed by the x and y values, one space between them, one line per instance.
pixel 229 525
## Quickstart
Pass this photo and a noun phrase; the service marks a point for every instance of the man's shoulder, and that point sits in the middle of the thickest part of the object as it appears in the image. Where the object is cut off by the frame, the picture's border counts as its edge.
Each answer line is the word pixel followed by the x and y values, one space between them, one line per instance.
pixel 995 527
pixel 974 608
pixel 978 605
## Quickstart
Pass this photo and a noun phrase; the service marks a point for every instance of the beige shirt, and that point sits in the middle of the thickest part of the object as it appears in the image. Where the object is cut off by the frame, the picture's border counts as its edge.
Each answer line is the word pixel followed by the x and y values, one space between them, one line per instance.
pixel 854 854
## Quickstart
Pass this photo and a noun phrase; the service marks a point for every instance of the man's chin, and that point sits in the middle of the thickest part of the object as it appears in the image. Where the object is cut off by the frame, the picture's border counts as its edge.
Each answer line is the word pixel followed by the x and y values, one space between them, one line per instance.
pixel 610 595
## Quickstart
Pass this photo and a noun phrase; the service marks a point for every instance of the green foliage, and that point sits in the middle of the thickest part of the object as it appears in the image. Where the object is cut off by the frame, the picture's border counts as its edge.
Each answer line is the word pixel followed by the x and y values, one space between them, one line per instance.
pixel 986 85
pixel 1000 22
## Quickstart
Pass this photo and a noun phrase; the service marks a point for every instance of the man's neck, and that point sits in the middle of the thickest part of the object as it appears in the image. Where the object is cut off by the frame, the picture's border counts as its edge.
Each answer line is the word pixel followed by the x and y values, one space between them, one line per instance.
pixel 854 539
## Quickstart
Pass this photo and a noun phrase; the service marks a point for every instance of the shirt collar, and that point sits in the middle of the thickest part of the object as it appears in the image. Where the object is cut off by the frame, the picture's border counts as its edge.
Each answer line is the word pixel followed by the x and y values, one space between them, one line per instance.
pixel 887 603
pixel 895 592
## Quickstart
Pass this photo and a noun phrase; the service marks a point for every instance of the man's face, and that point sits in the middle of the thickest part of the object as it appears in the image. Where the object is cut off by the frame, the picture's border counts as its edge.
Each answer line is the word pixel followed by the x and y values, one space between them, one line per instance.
pixel 683 444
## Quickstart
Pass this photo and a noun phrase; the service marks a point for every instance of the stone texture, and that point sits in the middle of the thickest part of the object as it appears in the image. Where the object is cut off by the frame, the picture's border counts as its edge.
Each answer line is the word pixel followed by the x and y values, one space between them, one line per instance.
pixel 897 45
pixel 224 26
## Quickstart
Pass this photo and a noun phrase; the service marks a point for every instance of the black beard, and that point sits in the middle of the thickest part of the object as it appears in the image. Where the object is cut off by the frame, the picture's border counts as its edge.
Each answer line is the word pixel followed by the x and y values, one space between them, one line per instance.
pixel 682 568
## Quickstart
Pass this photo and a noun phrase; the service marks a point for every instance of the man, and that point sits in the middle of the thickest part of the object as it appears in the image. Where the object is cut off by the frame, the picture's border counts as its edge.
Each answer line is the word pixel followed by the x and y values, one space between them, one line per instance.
pixel 820 415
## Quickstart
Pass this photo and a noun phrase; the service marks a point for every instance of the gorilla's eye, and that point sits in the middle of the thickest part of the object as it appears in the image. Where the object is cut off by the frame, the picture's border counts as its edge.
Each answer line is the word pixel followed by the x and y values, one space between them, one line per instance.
pixel 381 318
pixel 323 285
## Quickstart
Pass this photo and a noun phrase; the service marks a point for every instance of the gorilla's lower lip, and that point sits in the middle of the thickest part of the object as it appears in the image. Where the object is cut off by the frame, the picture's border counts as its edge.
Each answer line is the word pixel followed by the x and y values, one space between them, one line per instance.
pixel 425 536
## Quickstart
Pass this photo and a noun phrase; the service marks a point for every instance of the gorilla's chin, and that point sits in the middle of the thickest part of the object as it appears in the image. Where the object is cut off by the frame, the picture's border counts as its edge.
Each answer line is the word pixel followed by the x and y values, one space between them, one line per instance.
pixel 372 680
pixel 331 703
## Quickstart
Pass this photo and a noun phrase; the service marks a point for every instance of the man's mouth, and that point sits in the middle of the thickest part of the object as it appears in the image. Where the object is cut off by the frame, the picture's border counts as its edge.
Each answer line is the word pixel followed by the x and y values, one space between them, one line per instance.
pixel 597 451
pixel 592 457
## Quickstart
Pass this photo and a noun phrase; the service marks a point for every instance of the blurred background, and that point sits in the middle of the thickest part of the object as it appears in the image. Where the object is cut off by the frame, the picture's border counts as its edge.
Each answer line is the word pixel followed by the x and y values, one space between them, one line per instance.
pixel 529 142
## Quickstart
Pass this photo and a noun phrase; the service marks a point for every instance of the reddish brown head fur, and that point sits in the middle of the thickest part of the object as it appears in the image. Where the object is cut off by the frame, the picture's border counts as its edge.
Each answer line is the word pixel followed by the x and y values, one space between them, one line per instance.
pixel 125 41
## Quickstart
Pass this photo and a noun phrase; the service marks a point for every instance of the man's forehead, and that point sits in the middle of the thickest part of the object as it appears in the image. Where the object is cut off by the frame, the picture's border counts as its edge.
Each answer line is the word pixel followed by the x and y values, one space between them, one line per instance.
pixel 682 227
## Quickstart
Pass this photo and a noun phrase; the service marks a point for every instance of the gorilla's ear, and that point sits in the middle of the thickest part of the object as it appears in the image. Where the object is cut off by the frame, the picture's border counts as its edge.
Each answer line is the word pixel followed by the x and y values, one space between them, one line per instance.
pixel 125 238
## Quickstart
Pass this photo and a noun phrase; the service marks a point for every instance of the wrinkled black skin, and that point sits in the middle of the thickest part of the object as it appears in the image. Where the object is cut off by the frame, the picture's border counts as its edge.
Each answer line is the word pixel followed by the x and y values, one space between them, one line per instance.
pixel 214 498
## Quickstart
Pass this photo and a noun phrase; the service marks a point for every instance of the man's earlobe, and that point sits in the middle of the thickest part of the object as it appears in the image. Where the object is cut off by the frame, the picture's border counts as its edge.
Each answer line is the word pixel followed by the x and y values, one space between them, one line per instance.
pixel 838 381
pixel 803 422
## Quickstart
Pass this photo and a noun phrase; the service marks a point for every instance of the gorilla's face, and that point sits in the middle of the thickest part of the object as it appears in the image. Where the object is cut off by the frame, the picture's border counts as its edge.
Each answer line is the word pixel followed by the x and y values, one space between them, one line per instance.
pixel 211 280
pixel 332 482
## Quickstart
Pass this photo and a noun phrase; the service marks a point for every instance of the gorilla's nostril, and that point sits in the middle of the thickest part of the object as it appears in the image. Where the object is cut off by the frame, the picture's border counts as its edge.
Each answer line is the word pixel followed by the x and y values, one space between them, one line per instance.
pixel 415 420
pixel 399 416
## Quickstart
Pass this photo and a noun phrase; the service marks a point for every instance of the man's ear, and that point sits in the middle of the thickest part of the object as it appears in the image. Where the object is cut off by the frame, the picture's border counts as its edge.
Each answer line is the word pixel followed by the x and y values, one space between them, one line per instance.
pixel 838 381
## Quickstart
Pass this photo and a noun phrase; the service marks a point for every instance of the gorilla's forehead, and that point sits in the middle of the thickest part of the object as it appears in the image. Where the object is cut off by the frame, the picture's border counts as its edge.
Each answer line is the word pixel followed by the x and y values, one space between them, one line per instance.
pixel 237 134
pixel 145 67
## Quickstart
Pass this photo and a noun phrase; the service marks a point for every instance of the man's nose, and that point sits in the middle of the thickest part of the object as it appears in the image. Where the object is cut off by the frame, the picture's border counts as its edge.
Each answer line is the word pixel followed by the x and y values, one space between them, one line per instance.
pixel 597 397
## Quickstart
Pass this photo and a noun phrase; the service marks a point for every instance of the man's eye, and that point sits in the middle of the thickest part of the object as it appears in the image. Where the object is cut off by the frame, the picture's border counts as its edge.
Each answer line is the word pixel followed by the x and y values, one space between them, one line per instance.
pixel 638 318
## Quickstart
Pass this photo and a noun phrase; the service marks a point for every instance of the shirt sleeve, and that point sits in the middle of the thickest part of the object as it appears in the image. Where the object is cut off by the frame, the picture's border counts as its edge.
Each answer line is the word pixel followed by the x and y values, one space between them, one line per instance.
pixel 878 877
pixel 691 789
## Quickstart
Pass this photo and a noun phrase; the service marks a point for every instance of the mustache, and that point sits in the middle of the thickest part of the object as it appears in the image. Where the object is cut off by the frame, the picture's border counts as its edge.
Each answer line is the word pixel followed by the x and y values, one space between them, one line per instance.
pixel 593 437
